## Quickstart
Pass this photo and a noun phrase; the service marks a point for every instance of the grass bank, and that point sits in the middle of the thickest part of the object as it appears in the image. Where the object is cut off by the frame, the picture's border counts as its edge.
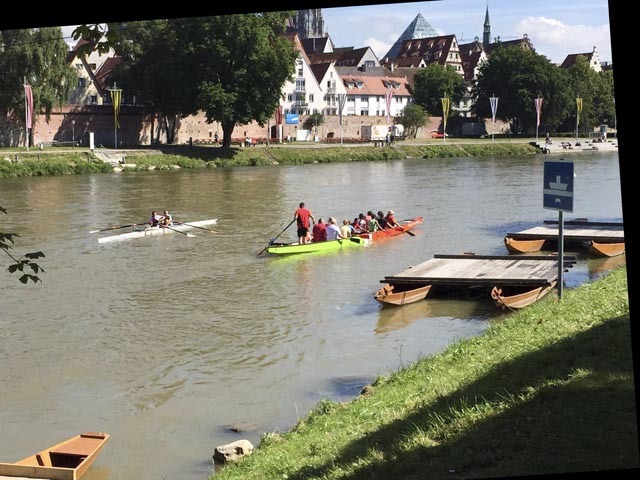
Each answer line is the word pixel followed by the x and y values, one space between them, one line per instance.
pixel 545 390
pixel 52 161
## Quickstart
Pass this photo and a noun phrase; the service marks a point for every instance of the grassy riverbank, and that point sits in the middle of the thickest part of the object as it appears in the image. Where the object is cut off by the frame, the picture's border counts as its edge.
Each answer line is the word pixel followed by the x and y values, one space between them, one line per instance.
pixel 53 161
pixel 548 389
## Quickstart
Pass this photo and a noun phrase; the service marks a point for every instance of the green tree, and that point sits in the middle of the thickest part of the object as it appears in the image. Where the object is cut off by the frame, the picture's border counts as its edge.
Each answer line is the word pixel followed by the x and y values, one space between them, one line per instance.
pixel 153 71
pixel 240 64
pixel 23 264
pixel 39 57
pixel 435 82
pixel 313 121
pixel 412 118
pixel 517 77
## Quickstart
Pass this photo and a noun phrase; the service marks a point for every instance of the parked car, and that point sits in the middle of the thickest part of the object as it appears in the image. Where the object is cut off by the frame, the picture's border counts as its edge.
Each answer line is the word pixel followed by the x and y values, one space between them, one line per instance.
pixel 435 134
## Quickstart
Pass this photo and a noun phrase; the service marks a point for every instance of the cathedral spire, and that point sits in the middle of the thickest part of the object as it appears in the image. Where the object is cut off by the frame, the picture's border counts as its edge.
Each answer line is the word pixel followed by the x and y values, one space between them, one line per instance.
pixel 486 36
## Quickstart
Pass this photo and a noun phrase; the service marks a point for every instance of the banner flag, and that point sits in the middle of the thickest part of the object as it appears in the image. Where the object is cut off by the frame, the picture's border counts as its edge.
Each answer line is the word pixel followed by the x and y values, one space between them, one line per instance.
pixel 579 105
pixel 342 99
pixel 494 107
pixel 28 97
pixel 538 102
pixel 388 95
pixel 116 95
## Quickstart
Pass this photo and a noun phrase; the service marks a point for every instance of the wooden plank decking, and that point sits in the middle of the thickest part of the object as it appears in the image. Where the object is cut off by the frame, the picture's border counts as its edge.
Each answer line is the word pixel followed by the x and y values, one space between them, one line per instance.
pixel 482 270
pixel 577 230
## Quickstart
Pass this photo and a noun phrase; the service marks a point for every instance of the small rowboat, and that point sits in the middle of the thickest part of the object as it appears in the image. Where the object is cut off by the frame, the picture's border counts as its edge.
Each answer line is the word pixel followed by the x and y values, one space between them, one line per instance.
pixel 523 246
pixel 520 299
pixel 607 249
pixel 291 248
pixel 395 295
pixel 148 231
pixel 68 460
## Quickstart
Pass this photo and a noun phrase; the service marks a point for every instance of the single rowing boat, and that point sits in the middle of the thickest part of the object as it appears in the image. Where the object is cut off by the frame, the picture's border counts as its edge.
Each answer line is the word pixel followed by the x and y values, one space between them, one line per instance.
pixel 67 460
pixel 148 230
pixel 520 297
pixel 291 248
pixel 393 295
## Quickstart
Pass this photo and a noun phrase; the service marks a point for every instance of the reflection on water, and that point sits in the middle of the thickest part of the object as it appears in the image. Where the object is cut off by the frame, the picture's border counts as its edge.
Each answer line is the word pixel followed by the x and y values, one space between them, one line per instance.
pixel 392 317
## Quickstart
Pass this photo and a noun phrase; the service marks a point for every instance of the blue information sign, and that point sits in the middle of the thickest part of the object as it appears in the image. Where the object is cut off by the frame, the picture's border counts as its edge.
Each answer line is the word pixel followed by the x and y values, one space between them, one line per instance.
pixel 291 118
pixel 558 186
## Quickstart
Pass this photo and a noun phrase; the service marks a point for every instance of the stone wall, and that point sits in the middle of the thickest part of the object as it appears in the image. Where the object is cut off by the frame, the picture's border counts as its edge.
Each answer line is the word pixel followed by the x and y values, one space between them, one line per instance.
pixel 136 128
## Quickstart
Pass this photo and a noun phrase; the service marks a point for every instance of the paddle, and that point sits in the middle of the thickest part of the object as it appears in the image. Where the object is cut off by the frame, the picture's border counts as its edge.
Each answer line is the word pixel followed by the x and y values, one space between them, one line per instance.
pixel 196 226
pixel 175 230
pixel 115 227
pixel 406 231
pixel 274 238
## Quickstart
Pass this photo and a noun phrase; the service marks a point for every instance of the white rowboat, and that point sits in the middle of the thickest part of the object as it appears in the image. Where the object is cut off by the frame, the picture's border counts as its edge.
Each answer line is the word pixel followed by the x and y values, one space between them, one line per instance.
pixel 143 232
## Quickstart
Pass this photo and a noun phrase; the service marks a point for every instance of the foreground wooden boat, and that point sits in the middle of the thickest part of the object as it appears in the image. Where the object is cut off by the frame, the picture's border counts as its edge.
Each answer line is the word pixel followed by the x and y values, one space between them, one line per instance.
pixel 148 230
pixel 523 246
pixel 68 460
pixel 405 227
pixel 389 294
pixel 607 249
pixel 294 248
pixel 520 299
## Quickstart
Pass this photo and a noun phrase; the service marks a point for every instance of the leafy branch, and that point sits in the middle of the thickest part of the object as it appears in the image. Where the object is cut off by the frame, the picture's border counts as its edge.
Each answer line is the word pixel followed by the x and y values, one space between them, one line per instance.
pixel 24 264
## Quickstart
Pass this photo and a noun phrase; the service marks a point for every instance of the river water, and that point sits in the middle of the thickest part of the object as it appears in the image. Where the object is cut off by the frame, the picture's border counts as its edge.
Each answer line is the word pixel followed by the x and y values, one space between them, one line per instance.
pixel 167 342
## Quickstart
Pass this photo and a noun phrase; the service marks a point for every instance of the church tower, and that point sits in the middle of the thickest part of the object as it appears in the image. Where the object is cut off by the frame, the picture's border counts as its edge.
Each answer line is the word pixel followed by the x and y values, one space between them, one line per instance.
pixel 486 36
pixel 309 23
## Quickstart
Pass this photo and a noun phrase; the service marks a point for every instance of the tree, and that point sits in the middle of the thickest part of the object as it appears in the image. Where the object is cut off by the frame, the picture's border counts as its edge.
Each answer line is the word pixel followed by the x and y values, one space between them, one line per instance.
pixel 435 82
pixel 412 118
pixel 153 72
pixel 237 84
pixel 24 263
pixel 39 57
pixel 313 121
pixel 517 77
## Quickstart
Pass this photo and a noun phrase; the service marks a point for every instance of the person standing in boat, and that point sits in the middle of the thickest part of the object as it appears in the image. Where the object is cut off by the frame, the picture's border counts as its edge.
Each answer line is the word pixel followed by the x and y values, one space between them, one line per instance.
pixel 304 217
pixel 154 219
pixel 319 233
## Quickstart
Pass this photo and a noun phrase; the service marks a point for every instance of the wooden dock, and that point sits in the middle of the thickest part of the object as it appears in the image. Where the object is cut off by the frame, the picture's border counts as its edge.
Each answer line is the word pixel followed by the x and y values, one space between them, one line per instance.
pixel 579 232
pixel 482 270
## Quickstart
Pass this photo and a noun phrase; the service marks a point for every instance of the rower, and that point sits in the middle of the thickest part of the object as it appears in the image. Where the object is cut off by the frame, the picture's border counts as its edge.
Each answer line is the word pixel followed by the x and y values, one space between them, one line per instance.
pixel 166 220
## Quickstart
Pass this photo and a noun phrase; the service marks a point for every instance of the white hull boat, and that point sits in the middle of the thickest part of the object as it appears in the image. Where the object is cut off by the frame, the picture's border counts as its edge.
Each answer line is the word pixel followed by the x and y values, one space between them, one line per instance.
pixel 177 227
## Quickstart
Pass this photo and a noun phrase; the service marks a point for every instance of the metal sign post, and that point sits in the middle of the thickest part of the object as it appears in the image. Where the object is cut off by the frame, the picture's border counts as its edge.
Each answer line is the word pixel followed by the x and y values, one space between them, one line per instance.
pixel 557 193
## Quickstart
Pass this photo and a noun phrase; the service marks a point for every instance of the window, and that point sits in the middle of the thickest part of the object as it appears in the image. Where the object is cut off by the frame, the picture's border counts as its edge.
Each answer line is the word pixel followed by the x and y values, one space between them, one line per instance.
pixel 94 99
pixel 300 72
pixel 364 113
pixel 82 82
pixel 311 97
pixel 289 97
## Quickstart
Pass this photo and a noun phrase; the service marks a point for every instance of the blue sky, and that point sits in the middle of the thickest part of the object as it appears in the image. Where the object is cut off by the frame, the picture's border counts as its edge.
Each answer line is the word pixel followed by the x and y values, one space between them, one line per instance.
pixel 556 28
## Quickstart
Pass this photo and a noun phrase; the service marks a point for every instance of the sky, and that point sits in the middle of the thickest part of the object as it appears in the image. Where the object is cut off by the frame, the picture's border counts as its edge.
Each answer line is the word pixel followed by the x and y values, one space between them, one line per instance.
pixel 556 28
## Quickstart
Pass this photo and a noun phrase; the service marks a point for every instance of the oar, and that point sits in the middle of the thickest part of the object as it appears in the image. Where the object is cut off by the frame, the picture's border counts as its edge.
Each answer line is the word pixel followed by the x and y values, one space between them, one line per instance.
pixel 175 230
pixel 116 227
pixel 406 231
pixel 274 238
pixel 196 226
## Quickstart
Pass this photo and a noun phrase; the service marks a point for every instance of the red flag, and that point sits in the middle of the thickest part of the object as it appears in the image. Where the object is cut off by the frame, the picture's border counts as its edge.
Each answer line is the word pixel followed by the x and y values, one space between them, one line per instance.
pixel 28 101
